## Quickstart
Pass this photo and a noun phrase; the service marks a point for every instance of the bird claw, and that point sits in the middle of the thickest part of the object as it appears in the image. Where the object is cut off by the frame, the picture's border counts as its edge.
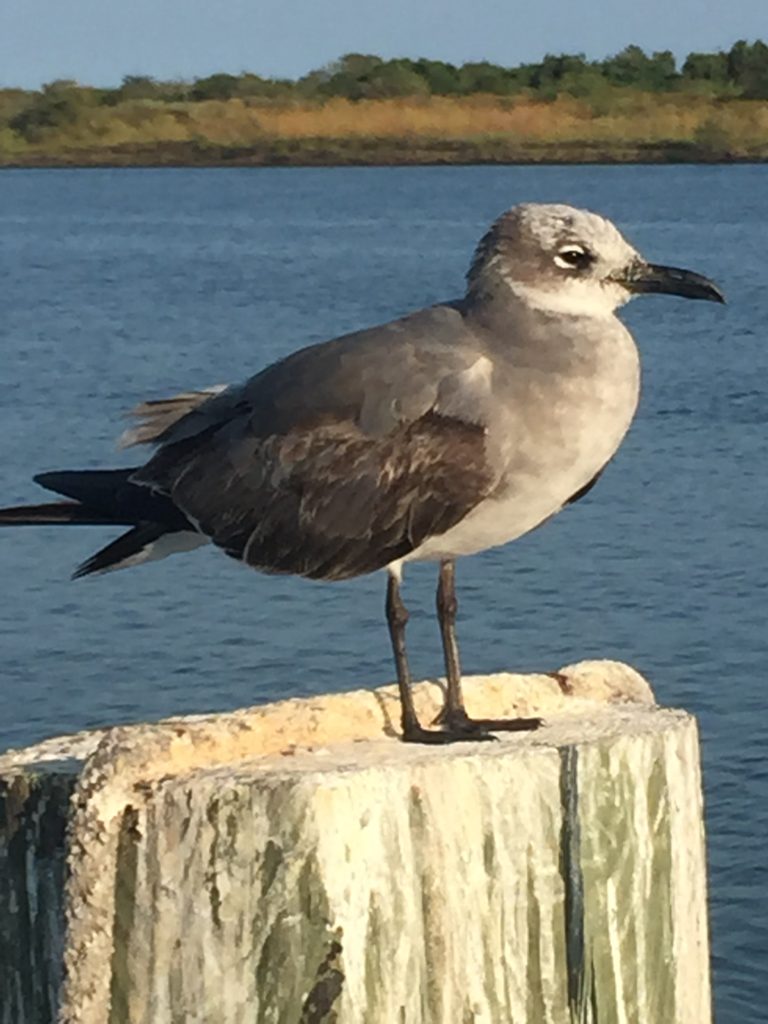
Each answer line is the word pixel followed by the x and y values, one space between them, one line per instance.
pixel 441 737
pixel 508 724
pixel 458 727
pixel 459 722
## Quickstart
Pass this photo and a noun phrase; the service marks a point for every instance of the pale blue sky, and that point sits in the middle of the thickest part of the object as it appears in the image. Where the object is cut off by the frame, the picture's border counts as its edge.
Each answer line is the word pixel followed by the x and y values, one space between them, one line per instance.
pixel 99 41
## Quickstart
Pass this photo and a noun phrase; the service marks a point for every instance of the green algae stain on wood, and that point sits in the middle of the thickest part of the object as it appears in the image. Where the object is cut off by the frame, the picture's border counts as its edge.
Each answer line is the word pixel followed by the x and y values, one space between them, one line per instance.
pixel 659 962
pixel 124 915
pixel 535 1007
pixel 33 812
pixel 428 894
pixel 627 866
pixel 377 958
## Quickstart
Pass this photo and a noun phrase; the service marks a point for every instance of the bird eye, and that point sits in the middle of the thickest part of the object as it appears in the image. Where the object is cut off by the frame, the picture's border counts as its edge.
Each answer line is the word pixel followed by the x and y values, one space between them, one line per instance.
pixel 573 257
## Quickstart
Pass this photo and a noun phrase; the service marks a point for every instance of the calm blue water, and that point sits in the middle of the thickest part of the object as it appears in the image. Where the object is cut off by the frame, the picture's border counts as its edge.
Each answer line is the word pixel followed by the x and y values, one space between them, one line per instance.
pixel 119 285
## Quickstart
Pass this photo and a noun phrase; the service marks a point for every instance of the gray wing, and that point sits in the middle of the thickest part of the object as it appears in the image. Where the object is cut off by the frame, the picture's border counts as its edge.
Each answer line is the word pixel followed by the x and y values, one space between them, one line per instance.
pixel 342 457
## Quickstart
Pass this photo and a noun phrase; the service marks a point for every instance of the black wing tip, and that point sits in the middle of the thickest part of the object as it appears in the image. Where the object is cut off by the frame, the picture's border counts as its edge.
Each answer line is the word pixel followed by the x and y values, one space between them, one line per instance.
pixel 45 479
pixel 95 565
pixel 122 552
pixel 99 562
pixel 85 568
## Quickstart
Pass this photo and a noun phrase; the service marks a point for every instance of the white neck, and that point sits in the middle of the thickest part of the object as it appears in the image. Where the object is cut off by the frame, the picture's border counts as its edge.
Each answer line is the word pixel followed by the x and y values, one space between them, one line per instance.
pixel 573 298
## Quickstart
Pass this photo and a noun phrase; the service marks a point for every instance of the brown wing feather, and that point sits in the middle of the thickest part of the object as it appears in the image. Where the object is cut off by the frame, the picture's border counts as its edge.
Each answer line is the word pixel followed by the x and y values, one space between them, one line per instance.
pixel 326 501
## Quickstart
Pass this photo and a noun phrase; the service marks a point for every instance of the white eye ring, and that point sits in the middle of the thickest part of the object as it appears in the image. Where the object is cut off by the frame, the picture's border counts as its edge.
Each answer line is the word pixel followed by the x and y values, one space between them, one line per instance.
pixel 562 258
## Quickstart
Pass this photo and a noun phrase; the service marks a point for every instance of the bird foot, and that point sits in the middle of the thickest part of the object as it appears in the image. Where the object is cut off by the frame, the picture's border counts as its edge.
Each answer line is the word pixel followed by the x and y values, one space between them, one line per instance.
pixel 417 734
pixel 455 721
pixel 507 724
pixel 458 727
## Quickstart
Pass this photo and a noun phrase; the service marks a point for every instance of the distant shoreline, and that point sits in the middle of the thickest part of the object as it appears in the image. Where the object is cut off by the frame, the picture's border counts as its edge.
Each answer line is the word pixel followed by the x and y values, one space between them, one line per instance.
pixel 363 110
pixel 639 128
pixel 389 153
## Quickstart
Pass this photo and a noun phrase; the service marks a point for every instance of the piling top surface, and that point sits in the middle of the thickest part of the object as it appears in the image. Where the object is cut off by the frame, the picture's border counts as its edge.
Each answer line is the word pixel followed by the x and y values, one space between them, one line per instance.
pixel 604 724
pixel 568 701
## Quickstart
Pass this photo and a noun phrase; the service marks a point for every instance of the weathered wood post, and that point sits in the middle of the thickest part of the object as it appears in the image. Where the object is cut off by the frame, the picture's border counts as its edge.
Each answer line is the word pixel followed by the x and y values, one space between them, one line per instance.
pixel 294 864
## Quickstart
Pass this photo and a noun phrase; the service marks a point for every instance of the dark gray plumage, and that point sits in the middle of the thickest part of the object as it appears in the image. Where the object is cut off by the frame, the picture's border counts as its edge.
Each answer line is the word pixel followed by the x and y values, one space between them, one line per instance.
pixel 440 434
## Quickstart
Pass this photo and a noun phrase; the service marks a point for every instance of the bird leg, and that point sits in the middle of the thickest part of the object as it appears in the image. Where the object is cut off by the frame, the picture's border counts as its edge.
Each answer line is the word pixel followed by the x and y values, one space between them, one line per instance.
pixel 397 618
pixel 454 717
pixel 447 606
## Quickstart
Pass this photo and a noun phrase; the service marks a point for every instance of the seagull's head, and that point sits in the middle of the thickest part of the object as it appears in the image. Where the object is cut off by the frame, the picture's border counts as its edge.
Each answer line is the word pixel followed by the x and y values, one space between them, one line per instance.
pixel 567 261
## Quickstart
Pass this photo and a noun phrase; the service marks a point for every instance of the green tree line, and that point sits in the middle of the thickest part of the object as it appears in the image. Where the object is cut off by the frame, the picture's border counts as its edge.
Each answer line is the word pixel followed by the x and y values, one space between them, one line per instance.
pixel 741 72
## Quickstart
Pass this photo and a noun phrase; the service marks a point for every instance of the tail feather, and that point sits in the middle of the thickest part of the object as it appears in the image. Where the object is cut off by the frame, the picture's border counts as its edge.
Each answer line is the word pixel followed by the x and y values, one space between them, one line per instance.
pixel 146 542
pixel 126 550
pixel 96 486
pixel 52 513
pixel 111 493
pixel 110 498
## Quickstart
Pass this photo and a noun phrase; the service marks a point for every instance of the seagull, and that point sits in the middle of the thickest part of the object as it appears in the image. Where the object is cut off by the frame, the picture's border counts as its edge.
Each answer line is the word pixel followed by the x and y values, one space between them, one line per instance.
pixel 454 429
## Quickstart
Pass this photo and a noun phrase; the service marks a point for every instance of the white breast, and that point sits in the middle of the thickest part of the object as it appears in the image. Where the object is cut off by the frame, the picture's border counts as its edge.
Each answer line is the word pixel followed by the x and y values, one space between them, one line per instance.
pixel 549 447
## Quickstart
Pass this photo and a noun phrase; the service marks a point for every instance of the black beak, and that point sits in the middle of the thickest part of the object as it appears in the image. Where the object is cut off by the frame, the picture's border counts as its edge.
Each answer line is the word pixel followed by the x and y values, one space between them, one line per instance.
pixel 648 277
